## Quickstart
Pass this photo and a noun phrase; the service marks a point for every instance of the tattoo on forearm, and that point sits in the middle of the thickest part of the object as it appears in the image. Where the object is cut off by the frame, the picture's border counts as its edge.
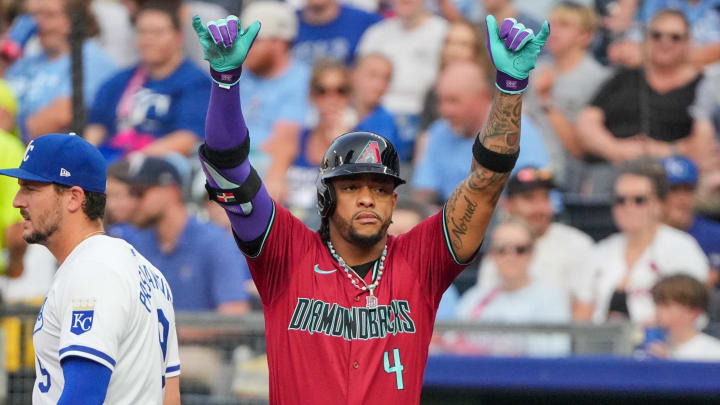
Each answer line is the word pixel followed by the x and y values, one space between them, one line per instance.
pixel 501 134
pixel 460 226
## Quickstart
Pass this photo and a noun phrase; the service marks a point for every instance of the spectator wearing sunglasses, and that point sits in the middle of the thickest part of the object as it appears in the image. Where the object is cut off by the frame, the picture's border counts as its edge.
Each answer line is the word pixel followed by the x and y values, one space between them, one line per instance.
pixel 624 267
pixel 518 297
pixel 703 17
pixel 559 249
pixel 652 118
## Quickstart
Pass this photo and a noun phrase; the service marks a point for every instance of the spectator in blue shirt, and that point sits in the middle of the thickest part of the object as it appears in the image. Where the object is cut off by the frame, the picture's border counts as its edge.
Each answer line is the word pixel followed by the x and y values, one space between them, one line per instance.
pixel 370 79
pixel 41 80
pixel 199 259
pixel 330 30
pixel 274 89
pixel 158 105
pixel 679 206
pixel 463 101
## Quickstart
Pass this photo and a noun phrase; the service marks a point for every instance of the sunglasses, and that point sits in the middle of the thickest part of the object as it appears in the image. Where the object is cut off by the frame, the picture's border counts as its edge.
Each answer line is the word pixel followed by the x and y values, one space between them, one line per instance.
pixel 624 199
pixel 342 90
pixel 516 249
pixel 674 36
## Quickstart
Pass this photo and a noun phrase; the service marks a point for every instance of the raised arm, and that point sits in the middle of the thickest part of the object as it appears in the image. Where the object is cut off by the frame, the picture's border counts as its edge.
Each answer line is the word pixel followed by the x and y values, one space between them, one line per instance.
pixel 514 50
pixel 232 182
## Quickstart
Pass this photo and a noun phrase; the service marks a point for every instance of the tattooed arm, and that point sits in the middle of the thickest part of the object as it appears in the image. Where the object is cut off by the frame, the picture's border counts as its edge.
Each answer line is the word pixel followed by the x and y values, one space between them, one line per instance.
pixel 470 207
pixel 513 50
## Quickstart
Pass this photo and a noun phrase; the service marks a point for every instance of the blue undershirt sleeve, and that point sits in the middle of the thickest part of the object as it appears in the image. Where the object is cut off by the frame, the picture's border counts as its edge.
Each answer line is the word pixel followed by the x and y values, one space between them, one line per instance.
pixel 86 382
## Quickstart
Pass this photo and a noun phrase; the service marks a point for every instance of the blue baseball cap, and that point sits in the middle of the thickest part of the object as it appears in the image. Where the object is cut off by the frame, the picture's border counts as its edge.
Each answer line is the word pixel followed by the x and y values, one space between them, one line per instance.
pixel 65 159
pixel 680 170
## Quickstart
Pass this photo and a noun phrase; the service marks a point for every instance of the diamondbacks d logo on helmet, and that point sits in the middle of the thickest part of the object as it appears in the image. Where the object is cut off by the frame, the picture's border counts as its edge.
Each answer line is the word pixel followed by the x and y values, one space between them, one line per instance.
pixel 370 154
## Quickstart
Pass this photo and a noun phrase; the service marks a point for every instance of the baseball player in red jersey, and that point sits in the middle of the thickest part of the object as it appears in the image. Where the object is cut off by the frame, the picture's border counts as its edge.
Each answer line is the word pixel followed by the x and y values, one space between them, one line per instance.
pixel 349 310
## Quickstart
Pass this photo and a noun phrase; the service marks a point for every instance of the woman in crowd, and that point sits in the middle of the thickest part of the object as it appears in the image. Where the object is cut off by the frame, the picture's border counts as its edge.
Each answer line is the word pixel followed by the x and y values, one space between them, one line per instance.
pixel 330 95
pixel 625 266
pixel 516 299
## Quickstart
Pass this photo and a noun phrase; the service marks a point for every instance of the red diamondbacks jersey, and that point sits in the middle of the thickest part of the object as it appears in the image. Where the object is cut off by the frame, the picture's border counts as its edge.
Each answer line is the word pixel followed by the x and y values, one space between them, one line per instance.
pixel 323 345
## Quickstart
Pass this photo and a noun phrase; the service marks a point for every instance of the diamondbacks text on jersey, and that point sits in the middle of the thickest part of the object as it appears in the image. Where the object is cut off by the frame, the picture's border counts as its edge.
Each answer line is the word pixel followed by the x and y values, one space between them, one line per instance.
pixel 337 350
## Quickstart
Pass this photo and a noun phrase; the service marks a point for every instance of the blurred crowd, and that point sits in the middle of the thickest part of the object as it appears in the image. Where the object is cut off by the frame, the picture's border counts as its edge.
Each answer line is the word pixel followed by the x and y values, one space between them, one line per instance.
pixel 611 212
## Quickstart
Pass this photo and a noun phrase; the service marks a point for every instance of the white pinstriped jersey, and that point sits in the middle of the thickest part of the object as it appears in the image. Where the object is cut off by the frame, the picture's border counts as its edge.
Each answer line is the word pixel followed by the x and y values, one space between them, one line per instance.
pixel 107 303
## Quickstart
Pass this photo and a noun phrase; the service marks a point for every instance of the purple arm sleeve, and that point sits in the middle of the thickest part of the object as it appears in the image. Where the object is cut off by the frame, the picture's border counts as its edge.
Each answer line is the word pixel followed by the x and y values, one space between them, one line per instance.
pixel 225 129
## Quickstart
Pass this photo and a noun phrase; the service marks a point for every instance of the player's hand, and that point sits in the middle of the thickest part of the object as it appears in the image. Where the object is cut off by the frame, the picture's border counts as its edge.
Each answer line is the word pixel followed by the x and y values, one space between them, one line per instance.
pixel 224 42
pixel 514 50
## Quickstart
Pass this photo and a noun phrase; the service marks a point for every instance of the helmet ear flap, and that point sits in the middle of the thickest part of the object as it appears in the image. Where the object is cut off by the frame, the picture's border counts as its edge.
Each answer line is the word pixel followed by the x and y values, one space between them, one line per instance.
pixel 325 198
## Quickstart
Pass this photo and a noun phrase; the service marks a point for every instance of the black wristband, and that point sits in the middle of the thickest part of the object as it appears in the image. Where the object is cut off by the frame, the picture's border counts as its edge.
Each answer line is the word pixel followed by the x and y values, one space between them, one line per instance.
pixel 497 162
pixel 228 158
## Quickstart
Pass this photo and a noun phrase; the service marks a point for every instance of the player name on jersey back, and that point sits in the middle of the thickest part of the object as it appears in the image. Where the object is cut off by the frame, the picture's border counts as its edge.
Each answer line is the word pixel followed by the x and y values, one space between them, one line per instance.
pixel 107 304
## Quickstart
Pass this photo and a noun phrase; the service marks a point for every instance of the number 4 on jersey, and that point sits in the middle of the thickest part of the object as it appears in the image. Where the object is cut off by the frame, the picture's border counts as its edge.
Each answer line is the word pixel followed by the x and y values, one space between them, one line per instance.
pixel 397 367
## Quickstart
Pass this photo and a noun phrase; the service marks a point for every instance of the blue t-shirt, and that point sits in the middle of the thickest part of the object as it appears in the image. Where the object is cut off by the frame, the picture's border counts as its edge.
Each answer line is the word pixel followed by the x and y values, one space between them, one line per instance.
pixel 177 102
pixel 448 156
pixel 204 270
pixel 37 81
pixel 381 122
pixel 266 101
pixel 707 234
pixel 336 39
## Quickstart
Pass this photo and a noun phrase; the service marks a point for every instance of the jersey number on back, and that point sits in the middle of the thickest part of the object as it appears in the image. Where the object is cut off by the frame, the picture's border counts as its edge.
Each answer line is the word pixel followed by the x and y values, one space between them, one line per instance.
pixel 397 367
pixel 163 330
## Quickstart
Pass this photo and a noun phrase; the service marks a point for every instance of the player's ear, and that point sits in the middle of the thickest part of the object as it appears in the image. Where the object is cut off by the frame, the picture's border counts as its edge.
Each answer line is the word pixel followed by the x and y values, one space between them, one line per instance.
pixel 75 197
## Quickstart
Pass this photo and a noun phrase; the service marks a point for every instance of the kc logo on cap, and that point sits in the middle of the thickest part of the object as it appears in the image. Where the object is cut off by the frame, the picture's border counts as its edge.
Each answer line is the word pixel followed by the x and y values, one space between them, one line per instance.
pixel 63 159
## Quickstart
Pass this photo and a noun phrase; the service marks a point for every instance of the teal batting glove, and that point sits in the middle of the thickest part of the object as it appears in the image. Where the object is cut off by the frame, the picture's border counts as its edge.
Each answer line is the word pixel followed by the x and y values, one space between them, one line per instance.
pixel 514 50
pixel 226 46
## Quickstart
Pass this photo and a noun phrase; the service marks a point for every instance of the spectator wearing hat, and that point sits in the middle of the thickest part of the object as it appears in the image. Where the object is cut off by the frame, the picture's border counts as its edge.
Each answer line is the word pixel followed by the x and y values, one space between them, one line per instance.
pixel 682 302
pixel 679 211
pixel 328 29
pixel 463 101
pixel 560 249
pixel 624 266
pixel 157 105
pixel 274 90
pixel 198 259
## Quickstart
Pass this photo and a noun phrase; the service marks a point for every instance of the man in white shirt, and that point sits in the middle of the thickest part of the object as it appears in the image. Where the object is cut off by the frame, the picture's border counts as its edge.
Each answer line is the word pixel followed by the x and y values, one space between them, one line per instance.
pixel 681 301
pixel 560 249
pixel 106 330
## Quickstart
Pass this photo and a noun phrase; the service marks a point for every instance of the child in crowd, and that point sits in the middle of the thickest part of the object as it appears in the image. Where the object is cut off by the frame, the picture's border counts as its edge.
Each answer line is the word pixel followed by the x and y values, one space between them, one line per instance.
pixel 681 302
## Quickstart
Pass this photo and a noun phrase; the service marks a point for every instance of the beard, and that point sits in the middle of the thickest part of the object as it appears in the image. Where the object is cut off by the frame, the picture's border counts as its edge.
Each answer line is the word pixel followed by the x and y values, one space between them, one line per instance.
pixel 49 227
pixel 349 233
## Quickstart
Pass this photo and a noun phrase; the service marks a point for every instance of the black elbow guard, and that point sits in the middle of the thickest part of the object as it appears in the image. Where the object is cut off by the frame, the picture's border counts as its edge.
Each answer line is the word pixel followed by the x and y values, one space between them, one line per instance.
pixel 234 197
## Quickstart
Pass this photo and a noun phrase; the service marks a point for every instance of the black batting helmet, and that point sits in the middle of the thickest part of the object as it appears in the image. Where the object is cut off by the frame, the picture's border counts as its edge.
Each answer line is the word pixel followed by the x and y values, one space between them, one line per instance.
pixel 355 153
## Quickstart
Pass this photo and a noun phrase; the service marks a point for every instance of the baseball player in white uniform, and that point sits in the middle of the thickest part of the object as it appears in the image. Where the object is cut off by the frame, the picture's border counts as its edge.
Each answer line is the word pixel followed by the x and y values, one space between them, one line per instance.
pixel 106 330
